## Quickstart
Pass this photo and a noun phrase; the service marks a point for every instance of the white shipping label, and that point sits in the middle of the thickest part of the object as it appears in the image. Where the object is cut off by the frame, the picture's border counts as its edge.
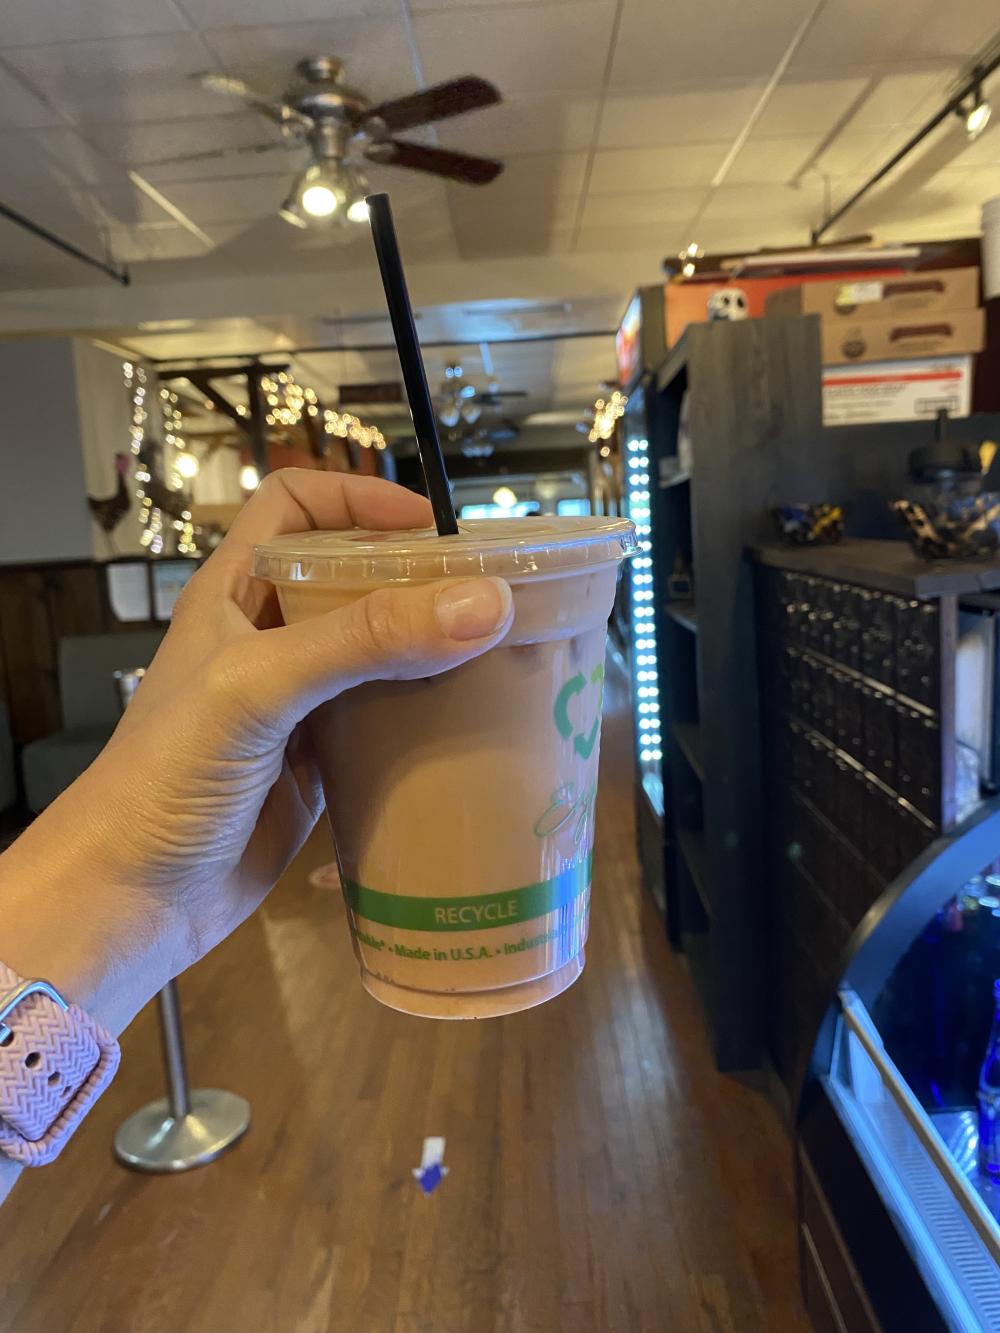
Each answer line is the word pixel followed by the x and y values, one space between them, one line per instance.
pixel 859 293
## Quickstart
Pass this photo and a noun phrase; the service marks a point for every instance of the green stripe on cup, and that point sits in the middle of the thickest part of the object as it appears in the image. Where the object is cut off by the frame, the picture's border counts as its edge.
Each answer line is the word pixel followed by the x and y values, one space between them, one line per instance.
pixel 480 911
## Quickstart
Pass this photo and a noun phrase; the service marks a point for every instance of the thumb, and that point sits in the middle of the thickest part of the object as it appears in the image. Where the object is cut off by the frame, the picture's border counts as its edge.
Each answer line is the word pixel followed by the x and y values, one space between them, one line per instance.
pixel 275 677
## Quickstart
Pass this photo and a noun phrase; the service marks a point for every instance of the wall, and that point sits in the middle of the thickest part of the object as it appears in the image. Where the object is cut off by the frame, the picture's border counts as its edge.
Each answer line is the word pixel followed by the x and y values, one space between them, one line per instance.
pixel 105 413
pixel 43 505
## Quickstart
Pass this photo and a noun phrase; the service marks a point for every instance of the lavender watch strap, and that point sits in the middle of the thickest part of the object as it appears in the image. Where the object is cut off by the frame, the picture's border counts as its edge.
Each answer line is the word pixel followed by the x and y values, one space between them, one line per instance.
pixel 54 1064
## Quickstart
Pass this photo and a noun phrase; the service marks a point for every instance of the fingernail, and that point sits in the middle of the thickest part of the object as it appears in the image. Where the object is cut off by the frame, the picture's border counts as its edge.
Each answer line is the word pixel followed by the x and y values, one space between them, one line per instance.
pixel 473 608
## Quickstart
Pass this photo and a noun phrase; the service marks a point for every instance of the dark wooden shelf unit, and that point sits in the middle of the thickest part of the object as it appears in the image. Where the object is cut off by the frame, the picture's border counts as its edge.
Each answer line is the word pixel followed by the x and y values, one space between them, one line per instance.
pixel 750 422
pixel 858 691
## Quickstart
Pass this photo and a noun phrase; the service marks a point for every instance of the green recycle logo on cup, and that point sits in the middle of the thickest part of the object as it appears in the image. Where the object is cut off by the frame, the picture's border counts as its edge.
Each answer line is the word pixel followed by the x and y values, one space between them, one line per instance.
pixel 583 741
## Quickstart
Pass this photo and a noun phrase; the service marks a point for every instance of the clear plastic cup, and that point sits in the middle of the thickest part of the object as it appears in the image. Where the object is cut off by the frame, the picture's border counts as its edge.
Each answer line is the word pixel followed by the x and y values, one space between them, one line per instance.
pixel 462 805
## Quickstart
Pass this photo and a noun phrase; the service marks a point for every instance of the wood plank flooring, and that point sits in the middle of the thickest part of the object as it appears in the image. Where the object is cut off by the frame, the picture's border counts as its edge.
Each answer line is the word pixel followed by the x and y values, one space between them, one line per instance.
pixel 603 1177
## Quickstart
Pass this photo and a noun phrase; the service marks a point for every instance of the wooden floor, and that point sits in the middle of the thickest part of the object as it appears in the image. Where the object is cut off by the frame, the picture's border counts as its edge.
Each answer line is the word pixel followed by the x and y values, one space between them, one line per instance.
pixel 603 1178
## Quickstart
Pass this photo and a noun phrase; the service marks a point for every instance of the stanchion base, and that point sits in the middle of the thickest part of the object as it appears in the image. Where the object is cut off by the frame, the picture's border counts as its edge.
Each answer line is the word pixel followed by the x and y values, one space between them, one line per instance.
pixel 152 1140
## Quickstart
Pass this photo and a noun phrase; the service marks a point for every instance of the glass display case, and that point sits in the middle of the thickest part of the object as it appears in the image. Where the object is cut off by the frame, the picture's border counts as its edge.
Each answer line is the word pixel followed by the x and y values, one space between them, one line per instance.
pixel 899 1119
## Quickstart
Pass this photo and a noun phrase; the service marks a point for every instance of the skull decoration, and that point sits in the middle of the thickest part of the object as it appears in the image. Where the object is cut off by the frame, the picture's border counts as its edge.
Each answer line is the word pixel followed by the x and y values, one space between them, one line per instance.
pixel 730 303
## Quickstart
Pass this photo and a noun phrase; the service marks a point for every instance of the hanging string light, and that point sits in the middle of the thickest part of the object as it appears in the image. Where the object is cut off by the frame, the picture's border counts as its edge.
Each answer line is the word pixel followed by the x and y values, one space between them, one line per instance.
pixel 348 427
pixel 288 402
pixel 606 413
pixel 150 516
pixel 184 466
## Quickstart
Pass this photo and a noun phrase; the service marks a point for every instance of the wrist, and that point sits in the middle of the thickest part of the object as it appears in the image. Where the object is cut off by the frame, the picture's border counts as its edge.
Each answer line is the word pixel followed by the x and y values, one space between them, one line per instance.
pixel 70 916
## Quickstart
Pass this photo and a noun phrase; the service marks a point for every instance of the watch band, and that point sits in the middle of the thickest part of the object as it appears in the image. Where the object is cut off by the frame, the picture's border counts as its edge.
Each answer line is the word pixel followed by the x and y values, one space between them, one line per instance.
pixel 55 1062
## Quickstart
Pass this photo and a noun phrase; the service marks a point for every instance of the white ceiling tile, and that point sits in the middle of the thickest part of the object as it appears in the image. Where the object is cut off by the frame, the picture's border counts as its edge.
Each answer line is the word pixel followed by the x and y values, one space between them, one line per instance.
pixel 903 98
pixel 47 21
pixel 856 32
pixel 374 51
pixel 814 107
pixel 638 169
pixel 525 49
pixel 423 6
pixel 241 200
pixel 33 159
pixel 543 124
pixel 127 79
pixel 667 238
pixel 770 161
pixel 20 108
pixel 697 115
pixel 659 43
pixel 206 14
pixel 640 210
pixel 795 208
pixel 144 146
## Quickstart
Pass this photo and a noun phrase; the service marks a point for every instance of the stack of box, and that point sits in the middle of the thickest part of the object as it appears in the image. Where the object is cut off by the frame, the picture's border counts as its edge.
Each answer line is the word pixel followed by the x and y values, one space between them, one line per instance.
pixel 894 348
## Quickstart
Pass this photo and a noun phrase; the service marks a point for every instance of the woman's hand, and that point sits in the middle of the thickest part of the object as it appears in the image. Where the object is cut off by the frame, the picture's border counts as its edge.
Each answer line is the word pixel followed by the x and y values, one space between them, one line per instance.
pixel 207 789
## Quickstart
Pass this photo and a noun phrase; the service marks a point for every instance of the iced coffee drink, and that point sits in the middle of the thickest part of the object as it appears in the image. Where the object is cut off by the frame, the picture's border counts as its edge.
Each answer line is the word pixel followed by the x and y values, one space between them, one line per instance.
pixel 462 806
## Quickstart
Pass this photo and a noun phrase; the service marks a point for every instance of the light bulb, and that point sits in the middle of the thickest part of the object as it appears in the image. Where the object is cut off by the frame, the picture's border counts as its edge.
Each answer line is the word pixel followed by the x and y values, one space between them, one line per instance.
pixel 186 464
pixel 358 211
pixel 471 411
pixel 978 118
pixel 319 201
pixel 249 477
pixel 504 497
pixel 449 414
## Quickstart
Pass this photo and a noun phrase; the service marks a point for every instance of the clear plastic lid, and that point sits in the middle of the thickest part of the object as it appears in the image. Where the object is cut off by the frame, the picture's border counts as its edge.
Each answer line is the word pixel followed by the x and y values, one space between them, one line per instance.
pixel 511 548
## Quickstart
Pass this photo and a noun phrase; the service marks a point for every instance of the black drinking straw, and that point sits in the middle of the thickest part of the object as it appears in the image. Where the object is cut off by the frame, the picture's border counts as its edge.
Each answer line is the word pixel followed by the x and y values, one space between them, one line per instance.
pixel 412 363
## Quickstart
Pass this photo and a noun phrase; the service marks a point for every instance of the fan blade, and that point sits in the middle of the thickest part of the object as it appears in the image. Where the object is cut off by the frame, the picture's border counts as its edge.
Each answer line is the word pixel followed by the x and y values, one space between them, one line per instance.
pixel 438 161
pixel 440 102
pixel 216 152
pixel 279 112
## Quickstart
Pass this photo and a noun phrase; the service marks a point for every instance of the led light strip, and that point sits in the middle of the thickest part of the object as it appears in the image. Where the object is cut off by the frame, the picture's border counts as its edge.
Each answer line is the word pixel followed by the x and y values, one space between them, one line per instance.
pixel 644 654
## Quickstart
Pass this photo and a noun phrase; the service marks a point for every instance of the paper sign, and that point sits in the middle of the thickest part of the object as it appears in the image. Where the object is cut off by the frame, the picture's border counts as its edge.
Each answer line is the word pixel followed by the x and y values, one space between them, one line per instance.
pixel 169 577
pixel 128 590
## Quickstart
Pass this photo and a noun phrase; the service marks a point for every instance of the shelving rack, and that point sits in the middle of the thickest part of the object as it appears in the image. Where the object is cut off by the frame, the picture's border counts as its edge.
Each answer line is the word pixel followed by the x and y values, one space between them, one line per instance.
pixel 752 424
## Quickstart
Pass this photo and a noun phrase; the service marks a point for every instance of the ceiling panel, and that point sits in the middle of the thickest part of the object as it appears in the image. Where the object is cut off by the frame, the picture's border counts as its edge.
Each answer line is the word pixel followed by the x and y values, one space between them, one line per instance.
pixel 638 169
pixel 658 43
pixel 56 158
pixel 20 108
pixel 633 210
pixel 529 210
pixel 855 32
pixel 46 21
pixel 238 200
pixel 697 115
pixel 903 97
pixel 555 47
pixel 665 238
pixel 781 161
pixel 546 124
pixel 206 14
pixel 143 146
pixel 814 107
pixel 374 51
pixel 126 79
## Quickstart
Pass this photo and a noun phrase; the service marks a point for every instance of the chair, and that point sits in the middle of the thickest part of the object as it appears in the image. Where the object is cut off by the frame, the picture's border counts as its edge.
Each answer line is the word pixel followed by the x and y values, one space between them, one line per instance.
pixel 90 709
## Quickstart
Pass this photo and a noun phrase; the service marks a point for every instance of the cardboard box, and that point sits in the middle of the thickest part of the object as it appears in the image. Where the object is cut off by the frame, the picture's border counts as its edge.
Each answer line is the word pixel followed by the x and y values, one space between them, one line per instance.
pixel 687 302
pixel 871 297
pixel 897 390
pixel 946 333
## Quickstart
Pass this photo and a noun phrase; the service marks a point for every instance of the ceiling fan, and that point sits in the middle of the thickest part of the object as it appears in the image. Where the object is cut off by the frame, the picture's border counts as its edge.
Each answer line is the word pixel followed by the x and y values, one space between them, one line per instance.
pixel 460 401
pixel 341 128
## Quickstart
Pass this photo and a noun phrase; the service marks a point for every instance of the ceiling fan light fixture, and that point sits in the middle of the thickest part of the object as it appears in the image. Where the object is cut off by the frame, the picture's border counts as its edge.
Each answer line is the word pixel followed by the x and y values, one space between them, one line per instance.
pixel 291 209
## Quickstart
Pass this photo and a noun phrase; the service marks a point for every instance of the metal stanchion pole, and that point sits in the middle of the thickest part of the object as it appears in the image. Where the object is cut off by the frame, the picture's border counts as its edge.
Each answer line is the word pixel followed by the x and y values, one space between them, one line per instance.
pixel 186 1128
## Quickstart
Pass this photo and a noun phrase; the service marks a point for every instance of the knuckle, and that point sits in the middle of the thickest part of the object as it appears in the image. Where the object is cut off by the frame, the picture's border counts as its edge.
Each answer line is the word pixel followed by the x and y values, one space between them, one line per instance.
pixel 383 629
